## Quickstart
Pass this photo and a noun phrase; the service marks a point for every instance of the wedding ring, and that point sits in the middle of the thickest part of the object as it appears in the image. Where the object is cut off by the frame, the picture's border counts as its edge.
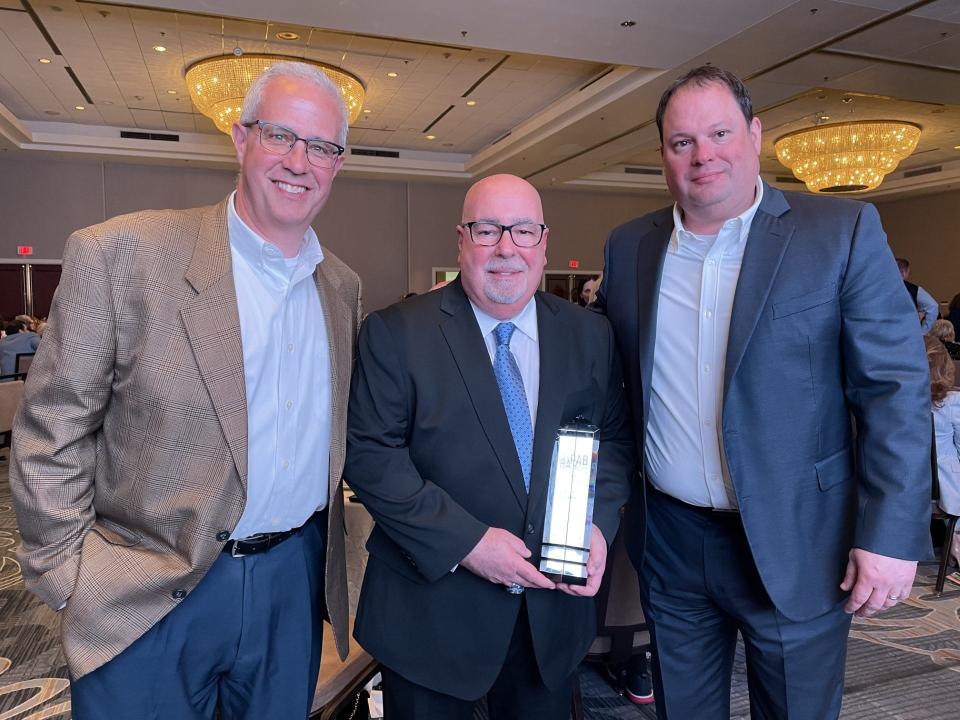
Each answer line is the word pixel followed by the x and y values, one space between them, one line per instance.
pixel 514 588
pixel 893 597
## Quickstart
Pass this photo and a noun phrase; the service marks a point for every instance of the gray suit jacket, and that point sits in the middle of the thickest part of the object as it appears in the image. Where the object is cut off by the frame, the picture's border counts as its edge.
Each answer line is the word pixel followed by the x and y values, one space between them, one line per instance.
pixel 130 446
pixel 823 341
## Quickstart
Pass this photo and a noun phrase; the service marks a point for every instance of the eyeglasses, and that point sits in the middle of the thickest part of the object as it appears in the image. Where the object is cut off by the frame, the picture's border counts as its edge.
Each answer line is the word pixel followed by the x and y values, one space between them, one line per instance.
pixel 523 234
pixel 279 140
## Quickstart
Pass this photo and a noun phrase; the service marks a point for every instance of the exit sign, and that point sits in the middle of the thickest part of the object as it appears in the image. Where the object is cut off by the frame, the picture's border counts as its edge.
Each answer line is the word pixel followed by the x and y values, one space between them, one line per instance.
pixel 24 249
pixel 573 264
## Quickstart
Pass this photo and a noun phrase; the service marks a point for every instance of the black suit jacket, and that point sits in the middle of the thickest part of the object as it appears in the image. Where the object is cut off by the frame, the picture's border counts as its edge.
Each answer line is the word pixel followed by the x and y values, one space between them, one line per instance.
pixel 431 455
pixel 823 340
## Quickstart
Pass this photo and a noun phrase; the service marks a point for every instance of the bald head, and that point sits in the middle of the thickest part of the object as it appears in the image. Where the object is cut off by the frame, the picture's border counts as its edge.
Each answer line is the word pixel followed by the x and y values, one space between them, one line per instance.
pixel 501 278
pixel 499 189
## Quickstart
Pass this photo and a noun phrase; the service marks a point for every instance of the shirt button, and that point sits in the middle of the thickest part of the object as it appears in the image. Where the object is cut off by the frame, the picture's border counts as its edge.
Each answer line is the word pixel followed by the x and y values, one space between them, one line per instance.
pixel 709 313
pixel 530 529
pixel 706 368
pixel 223 535
pixel 286 464
pixel 289 404
pixel 178 594
pixel 707 423
pixel 711 263
pixel 289 347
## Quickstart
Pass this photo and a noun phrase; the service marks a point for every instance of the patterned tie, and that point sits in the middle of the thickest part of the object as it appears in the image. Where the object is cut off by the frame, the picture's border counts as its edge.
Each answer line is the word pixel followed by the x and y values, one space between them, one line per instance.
pixel 514 398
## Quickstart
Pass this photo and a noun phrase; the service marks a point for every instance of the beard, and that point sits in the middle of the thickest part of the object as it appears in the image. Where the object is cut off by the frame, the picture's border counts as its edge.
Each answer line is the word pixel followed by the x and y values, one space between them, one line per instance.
pixel 505 291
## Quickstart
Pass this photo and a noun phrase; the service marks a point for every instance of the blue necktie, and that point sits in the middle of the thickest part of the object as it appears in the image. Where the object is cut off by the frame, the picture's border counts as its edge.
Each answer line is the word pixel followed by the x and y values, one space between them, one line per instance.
pixel 514 398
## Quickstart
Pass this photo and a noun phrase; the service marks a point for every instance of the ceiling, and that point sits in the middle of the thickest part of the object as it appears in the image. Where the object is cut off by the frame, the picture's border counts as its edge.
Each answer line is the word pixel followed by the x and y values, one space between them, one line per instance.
pixel 560 92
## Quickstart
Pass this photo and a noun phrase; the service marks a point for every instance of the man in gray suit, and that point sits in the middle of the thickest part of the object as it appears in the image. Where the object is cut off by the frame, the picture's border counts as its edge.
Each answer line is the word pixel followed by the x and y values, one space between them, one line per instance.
pixel 780 391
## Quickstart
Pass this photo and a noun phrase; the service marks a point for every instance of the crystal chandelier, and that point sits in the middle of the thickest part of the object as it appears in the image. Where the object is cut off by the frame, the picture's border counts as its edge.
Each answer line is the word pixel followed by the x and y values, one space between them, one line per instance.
pixel 217 85
pixel 849 156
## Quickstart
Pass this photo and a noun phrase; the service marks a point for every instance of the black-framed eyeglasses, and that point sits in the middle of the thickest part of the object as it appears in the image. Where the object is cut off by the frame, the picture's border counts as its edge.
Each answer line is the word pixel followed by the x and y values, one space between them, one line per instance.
pixel 279 140
pixel 522 234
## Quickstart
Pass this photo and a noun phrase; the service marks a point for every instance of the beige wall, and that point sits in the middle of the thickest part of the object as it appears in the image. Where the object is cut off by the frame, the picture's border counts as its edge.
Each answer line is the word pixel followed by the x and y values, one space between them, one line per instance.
pixel 391 232
pixel 926 231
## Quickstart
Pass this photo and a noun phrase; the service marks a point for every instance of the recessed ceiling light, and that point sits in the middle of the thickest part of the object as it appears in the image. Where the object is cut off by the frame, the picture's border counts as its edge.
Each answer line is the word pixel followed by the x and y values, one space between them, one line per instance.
pixel 50 112
pixel 471 103
pixel 171 92
pixel 79 107
pixel 45 61
pixel 628 23
pixel 431 137
pixel 287 35
pixel 159 48
pixel 956 147
pixel 366 112
pixel 391 75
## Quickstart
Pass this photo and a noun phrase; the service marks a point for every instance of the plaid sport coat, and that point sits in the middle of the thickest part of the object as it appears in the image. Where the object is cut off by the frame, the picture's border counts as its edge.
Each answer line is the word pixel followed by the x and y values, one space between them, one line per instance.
pixel 129 453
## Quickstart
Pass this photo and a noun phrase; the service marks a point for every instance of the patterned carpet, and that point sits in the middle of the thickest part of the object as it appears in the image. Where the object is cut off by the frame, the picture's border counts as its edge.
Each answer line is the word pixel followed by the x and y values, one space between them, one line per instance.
pixel 903 666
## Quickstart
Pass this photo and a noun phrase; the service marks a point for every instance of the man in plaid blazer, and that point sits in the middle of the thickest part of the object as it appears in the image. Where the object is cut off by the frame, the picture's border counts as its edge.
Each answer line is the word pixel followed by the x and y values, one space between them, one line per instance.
pixel 177 457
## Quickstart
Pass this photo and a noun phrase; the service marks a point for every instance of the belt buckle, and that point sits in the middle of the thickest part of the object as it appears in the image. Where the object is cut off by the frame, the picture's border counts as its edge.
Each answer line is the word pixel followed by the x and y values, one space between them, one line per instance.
pixel 233 550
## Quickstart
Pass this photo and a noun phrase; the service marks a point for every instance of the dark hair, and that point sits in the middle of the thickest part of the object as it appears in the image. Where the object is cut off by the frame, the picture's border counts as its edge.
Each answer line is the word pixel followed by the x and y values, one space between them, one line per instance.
pixel 955 303
pixel 903 264
pixel 701 77
pixel 942 372
pixel 15 326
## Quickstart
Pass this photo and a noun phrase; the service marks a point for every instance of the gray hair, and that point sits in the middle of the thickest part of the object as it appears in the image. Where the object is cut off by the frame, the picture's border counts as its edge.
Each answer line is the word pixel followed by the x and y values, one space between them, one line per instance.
pixel 303 71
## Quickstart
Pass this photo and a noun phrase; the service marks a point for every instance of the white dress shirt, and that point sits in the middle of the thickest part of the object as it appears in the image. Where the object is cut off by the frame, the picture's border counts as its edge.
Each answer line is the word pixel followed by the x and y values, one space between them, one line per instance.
pixel 525 346
pixel 684 450
pixel 286 368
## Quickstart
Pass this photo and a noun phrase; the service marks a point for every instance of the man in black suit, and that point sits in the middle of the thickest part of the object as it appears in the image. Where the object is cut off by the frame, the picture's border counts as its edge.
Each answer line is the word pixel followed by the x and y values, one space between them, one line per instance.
pixel 758 329
pixel 451 454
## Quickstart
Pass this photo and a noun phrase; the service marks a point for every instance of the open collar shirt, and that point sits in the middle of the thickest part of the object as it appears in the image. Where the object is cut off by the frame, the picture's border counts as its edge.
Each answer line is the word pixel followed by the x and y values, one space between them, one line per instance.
pixel 684 448
pixel 286 368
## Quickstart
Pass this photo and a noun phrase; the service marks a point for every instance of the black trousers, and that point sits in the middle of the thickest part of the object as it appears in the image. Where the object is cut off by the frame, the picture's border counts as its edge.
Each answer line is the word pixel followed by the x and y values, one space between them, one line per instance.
pixel 699 586
pixel 517 694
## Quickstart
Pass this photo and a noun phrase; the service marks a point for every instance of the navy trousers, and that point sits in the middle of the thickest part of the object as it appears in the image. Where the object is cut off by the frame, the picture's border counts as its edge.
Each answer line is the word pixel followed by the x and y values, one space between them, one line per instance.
pixel 699 586
pixel 246 640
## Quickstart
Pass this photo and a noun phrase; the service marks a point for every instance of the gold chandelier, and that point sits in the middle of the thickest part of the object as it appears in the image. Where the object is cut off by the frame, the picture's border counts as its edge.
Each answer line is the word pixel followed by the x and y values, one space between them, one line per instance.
pixel 849 156
pixel 217 85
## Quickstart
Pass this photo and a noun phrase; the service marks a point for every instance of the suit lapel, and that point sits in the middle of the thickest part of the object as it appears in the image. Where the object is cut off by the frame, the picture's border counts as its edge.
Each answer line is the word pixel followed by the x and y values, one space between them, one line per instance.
pixel 462 334
pixel 651 253
pixel 554 361
pixel 336 315
pixel 212 322
pixel 769 236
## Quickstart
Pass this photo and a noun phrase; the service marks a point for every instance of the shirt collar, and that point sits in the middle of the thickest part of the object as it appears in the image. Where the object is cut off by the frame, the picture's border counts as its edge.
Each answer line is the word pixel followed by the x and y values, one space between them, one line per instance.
pixel 741 222
pixel 525 321
pixel 260 254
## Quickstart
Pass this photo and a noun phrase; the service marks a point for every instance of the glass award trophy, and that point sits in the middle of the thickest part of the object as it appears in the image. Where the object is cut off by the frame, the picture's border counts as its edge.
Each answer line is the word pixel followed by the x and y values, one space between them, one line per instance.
pixel 567 528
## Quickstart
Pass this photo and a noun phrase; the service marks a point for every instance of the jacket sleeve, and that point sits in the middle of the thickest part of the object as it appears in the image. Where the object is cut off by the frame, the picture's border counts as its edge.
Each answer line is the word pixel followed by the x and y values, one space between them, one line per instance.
pixel 616 464
pixel 53 458
pixel 433 530
pixel 888 390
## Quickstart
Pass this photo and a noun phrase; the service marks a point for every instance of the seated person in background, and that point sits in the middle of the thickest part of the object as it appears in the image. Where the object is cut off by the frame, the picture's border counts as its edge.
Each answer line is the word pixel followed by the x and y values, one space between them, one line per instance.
pixel 943 331
pixel 946 421
pixel 927 307
pixel 17 341
pixel 953 313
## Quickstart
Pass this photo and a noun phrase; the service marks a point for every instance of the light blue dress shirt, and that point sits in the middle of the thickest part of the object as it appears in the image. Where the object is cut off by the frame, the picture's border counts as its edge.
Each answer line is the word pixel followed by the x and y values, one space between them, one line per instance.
pixel 684 451
pixel 286 367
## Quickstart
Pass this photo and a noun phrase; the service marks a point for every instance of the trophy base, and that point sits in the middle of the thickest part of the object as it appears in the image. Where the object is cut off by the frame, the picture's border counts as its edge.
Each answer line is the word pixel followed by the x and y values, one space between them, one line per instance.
pixel 567 579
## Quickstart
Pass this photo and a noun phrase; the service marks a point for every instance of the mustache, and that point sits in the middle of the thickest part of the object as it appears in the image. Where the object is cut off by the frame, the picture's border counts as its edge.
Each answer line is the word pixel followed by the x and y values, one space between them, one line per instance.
pixel 515 264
